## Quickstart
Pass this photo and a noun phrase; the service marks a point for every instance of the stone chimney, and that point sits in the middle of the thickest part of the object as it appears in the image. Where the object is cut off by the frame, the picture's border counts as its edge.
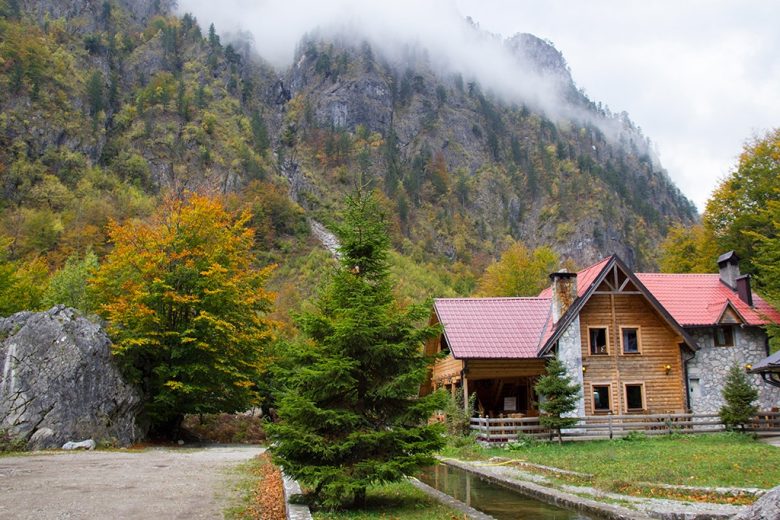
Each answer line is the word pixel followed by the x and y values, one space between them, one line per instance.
pixel 564 292
pixel 728 265
pixel 743 289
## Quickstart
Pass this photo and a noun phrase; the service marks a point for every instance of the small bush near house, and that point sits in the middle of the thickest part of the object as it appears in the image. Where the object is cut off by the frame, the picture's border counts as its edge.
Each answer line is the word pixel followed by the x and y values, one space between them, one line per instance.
pixel 226 428
pixel 739 396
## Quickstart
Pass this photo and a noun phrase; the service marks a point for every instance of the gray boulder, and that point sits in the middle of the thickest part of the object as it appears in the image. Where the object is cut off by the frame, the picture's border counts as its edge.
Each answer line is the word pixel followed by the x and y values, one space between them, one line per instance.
pixel 88 444
pixel 765 508
pixel 58 382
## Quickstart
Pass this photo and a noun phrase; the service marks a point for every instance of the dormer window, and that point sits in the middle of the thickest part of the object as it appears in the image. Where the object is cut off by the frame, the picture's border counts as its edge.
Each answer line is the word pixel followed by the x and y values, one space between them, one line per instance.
pixel 724 336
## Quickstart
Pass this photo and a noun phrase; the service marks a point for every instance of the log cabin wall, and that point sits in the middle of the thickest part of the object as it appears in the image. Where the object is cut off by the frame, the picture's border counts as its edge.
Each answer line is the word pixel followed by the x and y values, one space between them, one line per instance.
pixel 503 368
pixel 663 389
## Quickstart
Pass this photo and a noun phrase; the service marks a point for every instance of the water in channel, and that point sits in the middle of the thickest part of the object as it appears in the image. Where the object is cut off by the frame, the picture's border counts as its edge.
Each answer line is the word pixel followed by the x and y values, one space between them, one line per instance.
pixel 492 499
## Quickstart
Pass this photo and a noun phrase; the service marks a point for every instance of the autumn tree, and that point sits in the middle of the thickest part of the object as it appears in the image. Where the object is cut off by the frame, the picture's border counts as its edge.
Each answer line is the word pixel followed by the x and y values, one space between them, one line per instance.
pixel 68 286
pixel 767 263
pixel 560 395
pixel 519 272
pixel 734 211
pixel 185 306
pixel 22 283
pixel 348 408
pixel 689 249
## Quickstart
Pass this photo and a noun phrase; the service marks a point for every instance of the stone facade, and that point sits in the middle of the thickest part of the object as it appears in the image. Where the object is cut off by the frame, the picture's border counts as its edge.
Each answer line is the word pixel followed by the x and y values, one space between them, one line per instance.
pixel 707 371
pixel 570 354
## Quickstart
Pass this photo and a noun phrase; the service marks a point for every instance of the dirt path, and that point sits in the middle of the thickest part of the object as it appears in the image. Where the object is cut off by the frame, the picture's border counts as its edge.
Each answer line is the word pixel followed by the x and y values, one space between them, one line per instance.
pixel 156 483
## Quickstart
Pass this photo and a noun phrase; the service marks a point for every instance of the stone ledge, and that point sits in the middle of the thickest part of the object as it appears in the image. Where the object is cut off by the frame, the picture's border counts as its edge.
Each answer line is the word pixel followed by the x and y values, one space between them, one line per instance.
pixel 294 511
pixel 555 497
pixel 449 501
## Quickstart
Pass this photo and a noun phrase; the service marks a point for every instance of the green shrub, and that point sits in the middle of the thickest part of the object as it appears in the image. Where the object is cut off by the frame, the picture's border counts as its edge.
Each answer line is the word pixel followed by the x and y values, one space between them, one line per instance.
pixel 9 442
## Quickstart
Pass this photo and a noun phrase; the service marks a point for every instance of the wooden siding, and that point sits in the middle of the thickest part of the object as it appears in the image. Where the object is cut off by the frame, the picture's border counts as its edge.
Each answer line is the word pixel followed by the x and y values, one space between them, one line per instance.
pixel 447 368
pixel 503 368
pixel 659 346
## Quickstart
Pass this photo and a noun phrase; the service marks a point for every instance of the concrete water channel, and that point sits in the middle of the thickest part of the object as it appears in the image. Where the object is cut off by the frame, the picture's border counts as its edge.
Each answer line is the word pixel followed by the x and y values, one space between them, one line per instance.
pixel 494 500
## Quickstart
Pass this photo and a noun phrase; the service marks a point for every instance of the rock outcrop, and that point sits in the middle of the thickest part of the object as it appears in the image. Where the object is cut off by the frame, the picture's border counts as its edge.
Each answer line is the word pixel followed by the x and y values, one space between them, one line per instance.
pixel 58 381
pixel 766 508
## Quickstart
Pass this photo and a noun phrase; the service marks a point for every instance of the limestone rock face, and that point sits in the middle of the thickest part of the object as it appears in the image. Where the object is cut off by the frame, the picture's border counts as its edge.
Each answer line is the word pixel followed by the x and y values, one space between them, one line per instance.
pixel 58 381
pixel 766 508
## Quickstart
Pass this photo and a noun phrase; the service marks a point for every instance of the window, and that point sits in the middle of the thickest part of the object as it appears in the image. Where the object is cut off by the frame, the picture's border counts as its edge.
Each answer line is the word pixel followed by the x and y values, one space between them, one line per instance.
pixel 724 337
pixel 630 337
pixel 634 398
pixel 601 398
pixel 598 341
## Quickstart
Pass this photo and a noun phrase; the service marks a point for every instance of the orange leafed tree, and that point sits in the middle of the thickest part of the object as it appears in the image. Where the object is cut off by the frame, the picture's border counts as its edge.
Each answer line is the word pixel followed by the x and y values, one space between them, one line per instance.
pixel 187 308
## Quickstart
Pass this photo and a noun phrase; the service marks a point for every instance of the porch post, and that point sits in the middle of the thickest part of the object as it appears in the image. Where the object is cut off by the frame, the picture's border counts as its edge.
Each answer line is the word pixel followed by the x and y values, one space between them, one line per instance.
pixel 465 380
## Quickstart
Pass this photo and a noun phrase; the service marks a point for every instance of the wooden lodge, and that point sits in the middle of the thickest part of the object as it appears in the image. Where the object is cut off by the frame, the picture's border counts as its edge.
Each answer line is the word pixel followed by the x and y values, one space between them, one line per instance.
pixel 617 340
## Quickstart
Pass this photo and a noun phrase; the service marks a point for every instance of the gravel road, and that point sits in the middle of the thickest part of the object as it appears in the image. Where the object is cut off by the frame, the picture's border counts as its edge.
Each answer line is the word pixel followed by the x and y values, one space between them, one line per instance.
pixel 190 484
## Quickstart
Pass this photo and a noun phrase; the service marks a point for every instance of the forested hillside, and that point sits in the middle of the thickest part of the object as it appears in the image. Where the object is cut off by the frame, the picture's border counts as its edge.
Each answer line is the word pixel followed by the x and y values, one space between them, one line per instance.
pixel 106 105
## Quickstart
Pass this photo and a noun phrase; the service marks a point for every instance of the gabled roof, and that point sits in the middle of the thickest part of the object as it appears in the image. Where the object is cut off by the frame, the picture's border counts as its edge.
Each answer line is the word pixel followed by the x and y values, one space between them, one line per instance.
pixel 588 280
pixel 701 299
pixel 502 328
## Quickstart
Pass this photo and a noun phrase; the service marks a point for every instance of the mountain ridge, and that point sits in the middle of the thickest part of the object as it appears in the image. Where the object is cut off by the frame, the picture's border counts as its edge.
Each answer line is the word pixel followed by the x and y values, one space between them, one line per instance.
pixel 129 100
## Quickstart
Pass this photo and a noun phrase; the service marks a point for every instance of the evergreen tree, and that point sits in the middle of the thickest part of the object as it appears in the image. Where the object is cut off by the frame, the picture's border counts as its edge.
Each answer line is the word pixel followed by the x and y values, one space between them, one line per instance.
pixel 213 37
pixel 560 397
pixel 95 97
pixel 349 412
pixel 739 395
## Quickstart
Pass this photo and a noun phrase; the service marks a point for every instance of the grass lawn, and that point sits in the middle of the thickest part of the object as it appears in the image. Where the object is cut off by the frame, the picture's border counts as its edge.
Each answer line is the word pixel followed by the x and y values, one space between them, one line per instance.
pixel 400 501
pixel 727 459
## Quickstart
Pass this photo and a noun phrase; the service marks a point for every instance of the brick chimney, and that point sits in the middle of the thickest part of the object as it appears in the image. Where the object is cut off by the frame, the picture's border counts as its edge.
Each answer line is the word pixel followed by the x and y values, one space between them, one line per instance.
pixel 728 266
pixel 564 292
pixel 743 289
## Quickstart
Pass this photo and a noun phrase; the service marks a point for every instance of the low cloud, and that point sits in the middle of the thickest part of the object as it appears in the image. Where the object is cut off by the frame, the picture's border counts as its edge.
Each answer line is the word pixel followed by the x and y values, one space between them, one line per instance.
pixel 450 42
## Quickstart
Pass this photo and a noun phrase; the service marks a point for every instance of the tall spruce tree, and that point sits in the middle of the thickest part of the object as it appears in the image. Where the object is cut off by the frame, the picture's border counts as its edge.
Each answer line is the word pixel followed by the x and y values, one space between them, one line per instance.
pixel 560 397
pixel 349 414
pixel 739 396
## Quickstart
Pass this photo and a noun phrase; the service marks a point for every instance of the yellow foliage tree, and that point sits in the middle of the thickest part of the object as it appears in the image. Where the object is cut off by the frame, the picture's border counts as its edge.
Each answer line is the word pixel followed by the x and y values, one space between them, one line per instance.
pixel 519 272
pixel 689 249
pixel 186 307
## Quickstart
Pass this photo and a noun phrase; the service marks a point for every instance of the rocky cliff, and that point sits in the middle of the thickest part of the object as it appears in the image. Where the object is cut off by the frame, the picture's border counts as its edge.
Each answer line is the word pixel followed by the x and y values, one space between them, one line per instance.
pixel 103 105
pixel 58 382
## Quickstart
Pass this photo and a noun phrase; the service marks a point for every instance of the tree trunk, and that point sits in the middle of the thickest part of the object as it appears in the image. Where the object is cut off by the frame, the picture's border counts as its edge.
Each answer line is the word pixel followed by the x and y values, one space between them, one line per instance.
pixel 560 437
pixel 359 500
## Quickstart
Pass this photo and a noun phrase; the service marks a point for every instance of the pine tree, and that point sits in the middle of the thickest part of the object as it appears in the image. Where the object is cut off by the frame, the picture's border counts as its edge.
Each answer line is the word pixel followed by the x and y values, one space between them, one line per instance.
pixel 349 412
pixel 95 97
pixel 560 397
pixel 739 395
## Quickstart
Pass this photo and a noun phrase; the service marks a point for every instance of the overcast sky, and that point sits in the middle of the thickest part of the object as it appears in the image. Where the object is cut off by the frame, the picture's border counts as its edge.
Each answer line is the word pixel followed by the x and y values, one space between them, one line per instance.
pixel 700 77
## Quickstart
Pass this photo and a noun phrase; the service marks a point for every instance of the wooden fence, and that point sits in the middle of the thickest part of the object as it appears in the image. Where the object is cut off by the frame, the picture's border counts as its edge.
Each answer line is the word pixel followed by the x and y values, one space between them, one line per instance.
pixel 615 426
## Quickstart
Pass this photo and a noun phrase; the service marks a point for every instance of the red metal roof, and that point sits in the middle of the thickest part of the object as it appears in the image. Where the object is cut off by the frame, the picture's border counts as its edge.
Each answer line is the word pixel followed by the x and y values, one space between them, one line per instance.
pixel 493 327
pixel 700 299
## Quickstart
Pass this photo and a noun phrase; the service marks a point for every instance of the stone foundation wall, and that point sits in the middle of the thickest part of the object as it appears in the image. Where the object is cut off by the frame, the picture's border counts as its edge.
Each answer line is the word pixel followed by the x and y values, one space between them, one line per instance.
pixel 711 366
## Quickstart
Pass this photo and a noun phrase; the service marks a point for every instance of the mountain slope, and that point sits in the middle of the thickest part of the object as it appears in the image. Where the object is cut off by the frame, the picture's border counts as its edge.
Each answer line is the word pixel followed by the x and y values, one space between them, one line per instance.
pixel 104 105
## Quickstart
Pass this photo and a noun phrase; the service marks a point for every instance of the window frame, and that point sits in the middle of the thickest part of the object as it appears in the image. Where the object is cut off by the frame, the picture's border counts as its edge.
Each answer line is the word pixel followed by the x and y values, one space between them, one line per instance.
pixel 601 411
pixel 638 330
pixel 606 340
pixel 730 329
pixel 641 385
